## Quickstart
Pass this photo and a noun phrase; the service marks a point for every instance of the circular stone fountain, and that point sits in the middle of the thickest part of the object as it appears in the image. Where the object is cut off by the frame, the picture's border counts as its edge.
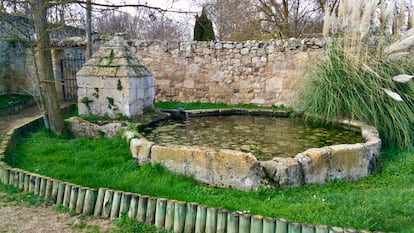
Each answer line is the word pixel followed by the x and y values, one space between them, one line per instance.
pixel 260 147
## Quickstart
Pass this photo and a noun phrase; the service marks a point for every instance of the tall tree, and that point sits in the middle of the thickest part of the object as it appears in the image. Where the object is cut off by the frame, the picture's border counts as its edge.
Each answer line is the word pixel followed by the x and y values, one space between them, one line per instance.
pixel 234 20
pixel 88 28
pixel 145 24
pixel 287 18
pixel 203 28
pixel 52 114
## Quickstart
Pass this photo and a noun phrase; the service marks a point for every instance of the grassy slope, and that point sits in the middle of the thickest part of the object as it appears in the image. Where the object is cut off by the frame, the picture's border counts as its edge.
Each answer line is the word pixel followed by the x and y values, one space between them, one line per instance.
pixel 383 202
pixel 12 98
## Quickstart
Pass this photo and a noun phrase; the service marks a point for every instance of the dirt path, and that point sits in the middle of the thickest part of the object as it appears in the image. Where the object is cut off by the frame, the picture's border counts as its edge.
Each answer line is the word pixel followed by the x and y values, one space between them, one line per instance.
pixel 41 219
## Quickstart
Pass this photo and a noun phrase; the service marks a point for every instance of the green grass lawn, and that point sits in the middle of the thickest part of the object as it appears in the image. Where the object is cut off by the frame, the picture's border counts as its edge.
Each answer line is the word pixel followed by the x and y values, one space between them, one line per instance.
pixel 383 202
pixel 10 99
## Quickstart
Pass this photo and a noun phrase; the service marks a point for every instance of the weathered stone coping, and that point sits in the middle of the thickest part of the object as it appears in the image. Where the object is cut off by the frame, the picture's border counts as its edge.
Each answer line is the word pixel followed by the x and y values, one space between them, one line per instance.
pixel 163 213
pixel 240 170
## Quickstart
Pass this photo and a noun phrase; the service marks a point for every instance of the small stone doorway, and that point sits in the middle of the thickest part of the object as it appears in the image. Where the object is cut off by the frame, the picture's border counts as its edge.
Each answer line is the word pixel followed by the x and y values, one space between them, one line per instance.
pixel 69 67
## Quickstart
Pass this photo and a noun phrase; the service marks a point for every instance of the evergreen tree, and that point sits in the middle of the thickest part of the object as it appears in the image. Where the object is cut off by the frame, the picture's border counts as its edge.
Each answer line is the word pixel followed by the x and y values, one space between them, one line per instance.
pixel 203 28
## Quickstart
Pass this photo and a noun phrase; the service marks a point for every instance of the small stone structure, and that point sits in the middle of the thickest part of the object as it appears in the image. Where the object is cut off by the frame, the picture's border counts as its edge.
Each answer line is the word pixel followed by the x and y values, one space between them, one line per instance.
pixel 114 83
pixel 239 170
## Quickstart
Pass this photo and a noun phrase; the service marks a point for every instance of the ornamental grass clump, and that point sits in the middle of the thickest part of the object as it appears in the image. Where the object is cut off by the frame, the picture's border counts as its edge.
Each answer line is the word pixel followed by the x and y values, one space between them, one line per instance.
pixel 365 75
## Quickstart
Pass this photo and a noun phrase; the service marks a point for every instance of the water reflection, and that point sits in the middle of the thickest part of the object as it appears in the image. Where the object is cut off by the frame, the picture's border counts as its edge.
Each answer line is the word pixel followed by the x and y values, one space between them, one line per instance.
pixel 265 137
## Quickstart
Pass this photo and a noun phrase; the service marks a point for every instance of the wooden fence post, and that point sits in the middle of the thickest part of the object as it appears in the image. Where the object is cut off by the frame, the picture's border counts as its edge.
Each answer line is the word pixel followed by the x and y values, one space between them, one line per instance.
pixel 269 225
pixel 308 228
pixel 6 175
pixel 14 180
pixel 2 169
pixel 160 213
pixel 151 207
pixel 48 193
pixel 99 202
pixel 116 201
pixel 26 183
pixel 232 222
pixel 169 215
pixel 179 216
pixel 32 181
pixel 281 226
pixel 142 208
pixel 125 202
pixel 190 218
pixel 133 206
pixel 61 193
pixel 350 230
pixel 321 229
pixel 244 223
pixel 81 200
pixel 257 224
pixel 107 204
pixel 42 189
pixel 200 226
pixel 90 201
pixel 21 180
pixel 222 221
pixel 37 185
pixel 211 221
pixel 55 191
pixel 73 197
pixel 336 230
pixel 66 195
pixel 294 227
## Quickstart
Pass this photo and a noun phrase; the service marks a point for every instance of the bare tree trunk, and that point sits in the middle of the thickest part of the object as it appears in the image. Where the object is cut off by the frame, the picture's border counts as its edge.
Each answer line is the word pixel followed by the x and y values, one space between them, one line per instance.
pixel 88 29
pixel 41 100
pixel 44 60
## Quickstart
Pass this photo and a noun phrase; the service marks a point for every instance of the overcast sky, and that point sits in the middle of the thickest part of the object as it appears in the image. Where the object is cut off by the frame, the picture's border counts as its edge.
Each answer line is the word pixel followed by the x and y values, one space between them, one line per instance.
pixel 183 5
pixel 187 20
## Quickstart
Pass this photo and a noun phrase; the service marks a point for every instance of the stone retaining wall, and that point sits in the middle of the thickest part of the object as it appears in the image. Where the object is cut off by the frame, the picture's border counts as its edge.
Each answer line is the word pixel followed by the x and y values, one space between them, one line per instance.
pixel 267 72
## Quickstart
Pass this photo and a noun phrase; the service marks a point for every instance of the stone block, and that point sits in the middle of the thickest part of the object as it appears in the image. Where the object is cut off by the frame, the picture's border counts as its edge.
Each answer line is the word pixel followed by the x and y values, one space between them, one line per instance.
pixel 236 169
pixel 258 101
pixel 228 46
pixel 345 161
pixel 231 169
pixel 348 162
pixel 82 128
pixel 244 51
pixel 315 164
pixel 111 129
pixel 183 160
pixel 140 149
pixel 284 172
pixel 274 84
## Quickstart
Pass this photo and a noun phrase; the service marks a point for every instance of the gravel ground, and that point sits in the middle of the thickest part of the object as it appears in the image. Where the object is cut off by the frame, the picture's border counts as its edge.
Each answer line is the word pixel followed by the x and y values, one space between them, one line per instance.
pixel 41 219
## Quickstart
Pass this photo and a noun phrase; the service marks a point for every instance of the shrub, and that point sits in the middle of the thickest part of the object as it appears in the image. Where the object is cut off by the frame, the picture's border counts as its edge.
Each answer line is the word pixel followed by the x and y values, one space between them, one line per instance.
pixel 362 80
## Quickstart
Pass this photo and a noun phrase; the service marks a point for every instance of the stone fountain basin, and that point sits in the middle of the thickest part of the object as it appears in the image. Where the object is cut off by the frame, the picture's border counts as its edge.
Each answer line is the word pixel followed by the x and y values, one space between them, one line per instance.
pixel 240 170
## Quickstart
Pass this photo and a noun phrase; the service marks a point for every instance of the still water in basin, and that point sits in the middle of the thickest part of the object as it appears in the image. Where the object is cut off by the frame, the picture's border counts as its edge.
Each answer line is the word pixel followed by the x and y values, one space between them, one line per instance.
pixel 265 137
